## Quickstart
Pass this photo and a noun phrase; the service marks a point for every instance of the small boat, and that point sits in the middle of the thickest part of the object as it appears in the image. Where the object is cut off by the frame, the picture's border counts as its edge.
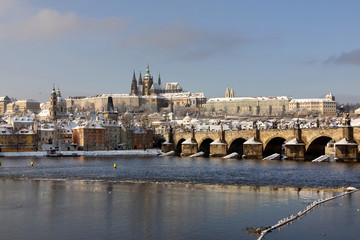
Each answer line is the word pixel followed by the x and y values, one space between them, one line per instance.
pixel 54 153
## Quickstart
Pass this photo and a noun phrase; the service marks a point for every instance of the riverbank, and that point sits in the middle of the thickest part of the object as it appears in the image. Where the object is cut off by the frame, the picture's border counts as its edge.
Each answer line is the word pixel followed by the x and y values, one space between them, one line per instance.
pixel 138 153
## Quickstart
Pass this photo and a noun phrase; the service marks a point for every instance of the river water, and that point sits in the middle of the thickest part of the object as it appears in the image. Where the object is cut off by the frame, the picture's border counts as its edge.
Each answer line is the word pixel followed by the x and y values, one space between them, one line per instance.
pixel 173 198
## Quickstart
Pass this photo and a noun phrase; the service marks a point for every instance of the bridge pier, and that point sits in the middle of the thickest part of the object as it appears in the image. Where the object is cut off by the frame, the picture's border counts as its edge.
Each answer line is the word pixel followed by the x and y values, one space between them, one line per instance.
pixel 295 150
pixel 347 148
pixel 189 147
pixel 167 147
pixel 218 148
pixel 253 149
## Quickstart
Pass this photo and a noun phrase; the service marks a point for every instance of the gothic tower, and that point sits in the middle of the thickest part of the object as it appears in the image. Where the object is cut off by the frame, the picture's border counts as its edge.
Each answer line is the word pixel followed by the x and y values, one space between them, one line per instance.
pixel 227 93
pixel 159 80
pixel 147 82
pixel 53 104
pixel 140 79
pixel 232 93
pixel 134 89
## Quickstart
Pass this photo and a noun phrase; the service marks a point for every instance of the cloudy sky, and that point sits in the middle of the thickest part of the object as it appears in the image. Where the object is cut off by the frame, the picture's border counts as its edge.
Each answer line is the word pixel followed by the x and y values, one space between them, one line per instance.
pixel 260 48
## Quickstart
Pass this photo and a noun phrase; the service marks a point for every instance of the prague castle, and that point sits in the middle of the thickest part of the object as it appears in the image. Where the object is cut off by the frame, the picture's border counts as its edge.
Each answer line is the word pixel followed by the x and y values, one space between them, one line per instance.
pixel 144 90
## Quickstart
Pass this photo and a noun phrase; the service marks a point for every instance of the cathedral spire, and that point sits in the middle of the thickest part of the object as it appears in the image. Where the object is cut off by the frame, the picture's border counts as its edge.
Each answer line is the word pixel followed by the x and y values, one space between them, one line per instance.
pixel 147 74
pixel 134 89
pixel 140 79
pixel 159 80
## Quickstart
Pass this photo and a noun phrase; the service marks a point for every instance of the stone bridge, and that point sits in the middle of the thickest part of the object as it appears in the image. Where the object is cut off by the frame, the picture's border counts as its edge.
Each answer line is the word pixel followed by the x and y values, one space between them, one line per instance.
pixel 341 142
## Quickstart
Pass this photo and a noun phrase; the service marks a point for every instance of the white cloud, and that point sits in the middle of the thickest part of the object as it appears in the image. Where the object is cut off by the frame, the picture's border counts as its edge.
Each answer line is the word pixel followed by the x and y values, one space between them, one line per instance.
pixel 51 25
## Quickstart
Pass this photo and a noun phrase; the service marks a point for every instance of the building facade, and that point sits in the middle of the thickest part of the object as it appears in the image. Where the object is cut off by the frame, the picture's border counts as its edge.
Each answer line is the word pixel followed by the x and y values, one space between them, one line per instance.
pixel 325 106
pixel 255 106
pixel 89 137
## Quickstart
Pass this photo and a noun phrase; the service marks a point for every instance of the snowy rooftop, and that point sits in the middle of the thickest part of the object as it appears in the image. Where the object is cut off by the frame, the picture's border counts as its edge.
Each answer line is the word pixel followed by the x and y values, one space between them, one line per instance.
pixel 309 100
pixel 28 100
pixel 217 142
pixel 294 142
pixel 252 141
pixel 247 98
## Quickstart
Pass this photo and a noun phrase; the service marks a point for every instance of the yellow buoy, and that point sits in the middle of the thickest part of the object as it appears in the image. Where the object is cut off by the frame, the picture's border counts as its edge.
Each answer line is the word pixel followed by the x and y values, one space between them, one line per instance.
pixel 115 166
pixel 32 164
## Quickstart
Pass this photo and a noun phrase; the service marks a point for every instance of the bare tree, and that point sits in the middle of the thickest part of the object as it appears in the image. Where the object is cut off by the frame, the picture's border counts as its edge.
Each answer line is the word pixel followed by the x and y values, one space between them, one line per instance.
pixel 126 119
pixel 150 108
pixel 88 106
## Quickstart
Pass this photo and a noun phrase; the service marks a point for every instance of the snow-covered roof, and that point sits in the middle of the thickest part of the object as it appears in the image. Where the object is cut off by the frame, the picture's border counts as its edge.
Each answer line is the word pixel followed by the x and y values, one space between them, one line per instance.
pixel 311 100
pixel 345 142
pixel 172 86
pixel 252 141
pixel 294 142
pixel 28 100
pixel 61 99
pixel 5 98
pixel 189 141
pixel 44 113
pixel 217 142
pixel 247 98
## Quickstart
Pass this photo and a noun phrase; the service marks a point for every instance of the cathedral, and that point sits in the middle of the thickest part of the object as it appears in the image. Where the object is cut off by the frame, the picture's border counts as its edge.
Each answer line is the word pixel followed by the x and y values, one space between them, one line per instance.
pixel 146 86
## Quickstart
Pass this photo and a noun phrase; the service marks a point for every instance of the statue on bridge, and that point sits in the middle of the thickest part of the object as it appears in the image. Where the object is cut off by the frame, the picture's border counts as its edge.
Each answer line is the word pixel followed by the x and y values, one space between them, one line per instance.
pixel 275 124
pixel 254 125
pixel 347 120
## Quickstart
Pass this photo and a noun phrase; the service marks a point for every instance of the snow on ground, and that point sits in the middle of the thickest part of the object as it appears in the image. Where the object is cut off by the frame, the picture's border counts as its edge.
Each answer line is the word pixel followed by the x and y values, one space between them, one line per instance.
pixel 147 152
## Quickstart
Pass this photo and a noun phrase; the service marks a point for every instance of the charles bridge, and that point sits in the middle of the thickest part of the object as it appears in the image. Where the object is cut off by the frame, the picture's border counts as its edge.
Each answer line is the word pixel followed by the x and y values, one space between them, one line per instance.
pixel 299 144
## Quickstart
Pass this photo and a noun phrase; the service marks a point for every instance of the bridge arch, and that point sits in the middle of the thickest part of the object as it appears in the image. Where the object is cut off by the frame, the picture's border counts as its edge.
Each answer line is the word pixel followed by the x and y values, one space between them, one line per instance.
pixel 205 146
pixel 274 145
pixel 158 141
pixel 178 147
pixel 316 147
pixel 237 146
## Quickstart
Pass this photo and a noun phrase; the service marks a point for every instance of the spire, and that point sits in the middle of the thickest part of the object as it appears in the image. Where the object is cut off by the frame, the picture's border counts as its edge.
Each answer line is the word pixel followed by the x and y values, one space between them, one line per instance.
pixel 227 93
pixel 147 74
pixel 330 96
pixel 134 78
pixel 159 80
pixel 134 89
pixel 58 93
pixel 53 93
pixel 140 79
pixel 231 93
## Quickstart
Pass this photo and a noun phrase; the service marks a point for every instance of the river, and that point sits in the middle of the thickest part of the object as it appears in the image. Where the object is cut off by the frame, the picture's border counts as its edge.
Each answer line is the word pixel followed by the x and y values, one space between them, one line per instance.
pixel 173 198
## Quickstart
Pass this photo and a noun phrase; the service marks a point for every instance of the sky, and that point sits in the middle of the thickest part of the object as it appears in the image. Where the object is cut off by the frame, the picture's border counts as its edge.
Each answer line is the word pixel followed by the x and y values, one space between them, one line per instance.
pixel 259 48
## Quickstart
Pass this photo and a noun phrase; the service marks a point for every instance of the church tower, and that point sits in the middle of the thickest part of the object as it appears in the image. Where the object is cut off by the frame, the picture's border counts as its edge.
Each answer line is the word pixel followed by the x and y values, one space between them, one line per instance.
pixel 147 82
pixel 134 89
pixel 53 104
pixel 330 96
pixel 227 93
pixel 232 93
pixel 159 80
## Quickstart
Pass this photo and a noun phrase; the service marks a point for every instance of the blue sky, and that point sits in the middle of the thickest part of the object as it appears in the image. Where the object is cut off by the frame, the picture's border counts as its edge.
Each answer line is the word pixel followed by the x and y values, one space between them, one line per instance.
pixel 260 48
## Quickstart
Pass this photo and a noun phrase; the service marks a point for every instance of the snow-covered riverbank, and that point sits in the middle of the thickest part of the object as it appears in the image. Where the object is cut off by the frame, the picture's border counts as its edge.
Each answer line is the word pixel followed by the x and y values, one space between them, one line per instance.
pixel 147 152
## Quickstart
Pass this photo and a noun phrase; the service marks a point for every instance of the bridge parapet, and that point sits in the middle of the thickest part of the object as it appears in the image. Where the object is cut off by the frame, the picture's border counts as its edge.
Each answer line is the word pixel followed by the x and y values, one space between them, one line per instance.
pixel 306 137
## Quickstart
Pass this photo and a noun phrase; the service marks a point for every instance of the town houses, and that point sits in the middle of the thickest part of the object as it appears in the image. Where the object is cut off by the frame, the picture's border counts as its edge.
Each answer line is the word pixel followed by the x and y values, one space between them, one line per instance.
pixel 139 119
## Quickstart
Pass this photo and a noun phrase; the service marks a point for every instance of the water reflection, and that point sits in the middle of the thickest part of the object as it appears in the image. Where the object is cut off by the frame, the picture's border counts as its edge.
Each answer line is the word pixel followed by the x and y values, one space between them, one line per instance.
pixel 107 210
